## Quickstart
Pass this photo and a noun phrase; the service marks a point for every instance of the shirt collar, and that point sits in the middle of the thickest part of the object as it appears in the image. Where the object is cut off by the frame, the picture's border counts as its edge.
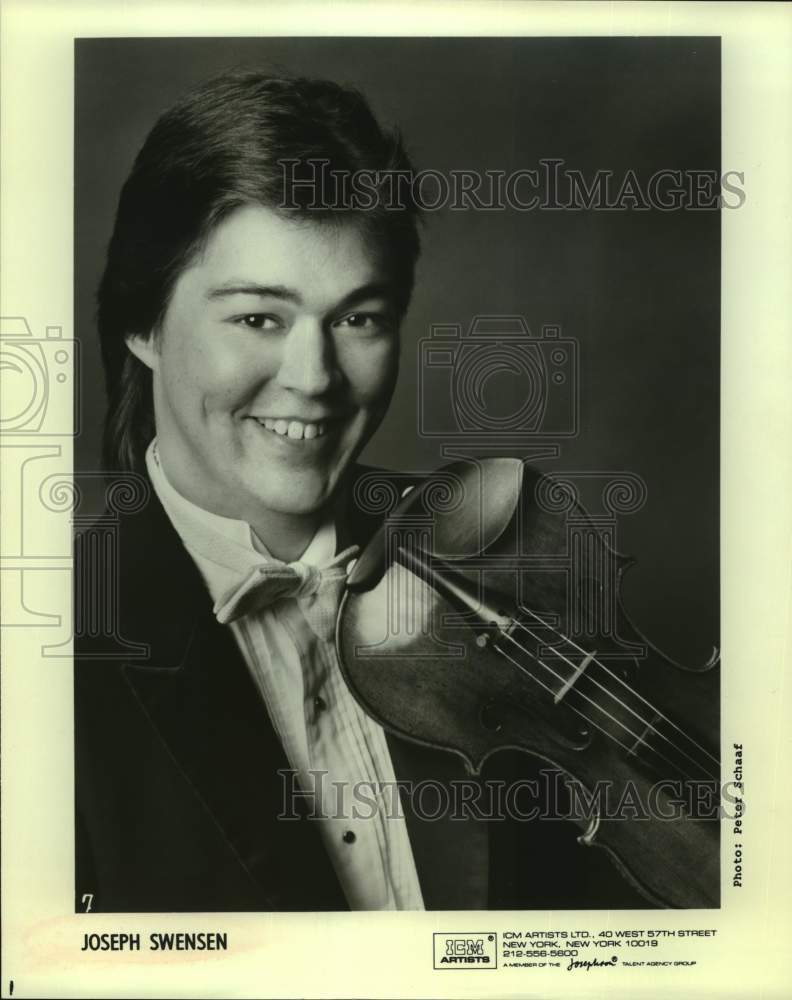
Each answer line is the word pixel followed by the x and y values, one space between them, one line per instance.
pixel 225 542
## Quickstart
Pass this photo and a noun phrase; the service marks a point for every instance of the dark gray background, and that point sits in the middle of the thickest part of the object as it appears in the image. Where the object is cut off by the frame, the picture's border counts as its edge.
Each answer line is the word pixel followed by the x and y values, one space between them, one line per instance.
pixel 638 290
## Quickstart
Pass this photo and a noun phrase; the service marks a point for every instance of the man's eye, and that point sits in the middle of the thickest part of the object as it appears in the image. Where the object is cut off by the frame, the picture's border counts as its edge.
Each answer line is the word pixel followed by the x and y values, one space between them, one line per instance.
pixel 258 321
pixel 364 321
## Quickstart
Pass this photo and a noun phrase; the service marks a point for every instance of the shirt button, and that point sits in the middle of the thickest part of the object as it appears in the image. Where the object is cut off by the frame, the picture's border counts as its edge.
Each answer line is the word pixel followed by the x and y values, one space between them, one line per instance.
pixel 349 837
pixel 319 704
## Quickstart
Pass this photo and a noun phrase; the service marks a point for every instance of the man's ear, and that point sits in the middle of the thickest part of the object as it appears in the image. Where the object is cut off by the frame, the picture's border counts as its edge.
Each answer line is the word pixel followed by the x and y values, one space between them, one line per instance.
pixel 144 348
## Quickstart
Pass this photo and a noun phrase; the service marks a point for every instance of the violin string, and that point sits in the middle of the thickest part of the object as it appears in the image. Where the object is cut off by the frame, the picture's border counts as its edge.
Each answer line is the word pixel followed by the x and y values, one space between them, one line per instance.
pixel 648 726
pixel 525 670
pixel 621 681
pixel 638 739
pixel 624 683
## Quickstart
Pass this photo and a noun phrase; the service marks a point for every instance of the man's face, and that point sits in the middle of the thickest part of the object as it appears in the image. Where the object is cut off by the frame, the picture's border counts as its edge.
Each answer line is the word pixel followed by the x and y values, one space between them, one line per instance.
pixel 274 364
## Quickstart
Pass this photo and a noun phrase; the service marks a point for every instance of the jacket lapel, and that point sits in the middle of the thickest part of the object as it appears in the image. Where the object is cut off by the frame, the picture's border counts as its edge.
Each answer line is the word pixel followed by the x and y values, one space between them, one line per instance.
pixel 200 699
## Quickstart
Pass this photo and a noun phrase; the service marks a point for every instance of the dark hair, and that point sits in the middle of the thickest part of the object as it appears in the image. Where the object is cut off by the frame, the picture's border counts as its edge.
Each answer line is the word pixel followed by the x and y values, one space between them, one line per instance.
pixel 218 148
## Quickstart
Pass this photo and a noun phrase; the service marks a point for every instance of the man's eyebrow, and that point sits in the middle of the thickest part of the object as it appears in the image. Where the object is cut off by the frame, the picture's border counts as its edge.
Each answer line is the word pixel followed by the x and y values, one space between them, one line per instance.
pixel 251 288
pixel 373 290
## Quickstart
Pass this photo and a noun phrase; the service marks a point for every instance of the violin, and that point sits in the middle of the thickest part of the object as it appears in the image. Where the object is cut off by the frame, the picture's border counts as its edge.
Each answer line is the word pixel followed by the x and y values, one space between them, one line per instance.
pixel 462 628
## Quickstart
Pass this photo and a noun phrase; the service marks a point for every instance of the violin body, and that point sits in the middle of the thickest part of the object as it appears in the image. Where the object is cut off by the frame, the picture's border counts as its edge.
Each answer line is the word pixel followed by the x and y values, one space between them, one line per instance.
pixel 535 658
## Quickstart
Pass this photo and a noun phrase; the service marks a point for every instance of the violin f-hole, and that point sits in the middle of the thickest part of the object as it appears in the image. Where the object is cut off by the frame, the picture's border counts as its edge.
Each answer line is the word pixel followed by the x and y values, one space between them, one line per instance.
pixel 490 717
pixel 573 730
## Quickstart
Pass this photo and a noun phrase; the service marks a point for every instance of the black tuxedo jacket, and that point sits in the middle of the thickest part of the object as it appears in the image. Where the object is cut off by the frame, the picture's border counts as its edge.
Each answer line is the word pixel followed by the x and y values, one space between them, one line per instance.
pixel 177 784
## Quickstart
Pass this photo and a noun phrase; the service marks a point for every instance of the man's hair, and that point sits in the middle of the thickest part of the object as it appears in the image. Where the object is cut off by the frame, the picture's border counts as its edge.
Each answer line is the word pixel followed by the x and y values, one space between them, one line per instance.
pixel 220 147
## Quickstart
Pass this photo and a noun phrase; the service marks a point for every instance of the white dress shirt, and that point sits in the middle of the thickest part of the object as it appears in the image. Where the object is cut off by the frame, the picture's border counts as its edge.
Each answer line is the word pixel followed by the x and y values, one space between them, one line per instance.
pixel 320 725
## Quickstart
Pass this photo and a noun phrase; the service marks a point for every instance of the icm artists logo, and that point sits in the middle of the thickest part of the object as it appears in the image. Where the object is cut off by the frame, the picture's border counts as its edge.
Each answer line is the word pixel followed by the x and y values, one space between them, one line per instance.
pixel 478 950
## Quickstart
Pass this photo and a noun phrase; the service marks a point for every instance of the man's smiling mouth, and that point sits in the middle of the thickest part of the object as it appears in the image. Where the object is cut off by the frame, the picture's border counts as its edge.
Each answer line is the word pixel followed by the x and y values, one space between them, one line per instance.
pixel 297 430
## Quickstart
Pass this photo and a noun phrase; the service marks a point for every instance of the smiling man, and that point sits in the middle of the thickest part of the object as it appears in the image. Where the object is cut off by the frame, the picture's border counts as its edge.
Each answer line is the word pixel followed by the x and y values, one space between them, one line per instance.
pixel 275 362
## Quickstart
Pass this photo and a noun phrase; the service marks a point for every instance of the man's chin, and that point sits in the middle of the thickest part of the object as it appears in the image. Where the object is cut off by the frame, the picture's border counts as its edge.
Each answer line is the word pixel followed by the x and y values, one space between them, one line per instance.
pixel 289 489
pixel 299 498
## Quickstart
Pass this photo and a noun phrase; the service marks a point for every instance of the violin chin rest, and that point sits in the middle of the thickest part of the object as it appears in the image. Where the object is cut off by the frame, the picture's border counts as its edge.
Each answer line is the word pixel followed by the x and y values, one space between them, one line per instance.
pixel 471 504
pixel 485 495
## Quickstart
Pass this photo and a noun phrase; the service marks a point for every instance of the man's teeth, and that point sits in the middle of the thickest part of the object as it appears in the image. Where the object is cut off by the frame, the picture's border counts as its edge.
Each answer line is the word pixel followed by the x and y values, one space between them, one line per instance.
pixel 293 428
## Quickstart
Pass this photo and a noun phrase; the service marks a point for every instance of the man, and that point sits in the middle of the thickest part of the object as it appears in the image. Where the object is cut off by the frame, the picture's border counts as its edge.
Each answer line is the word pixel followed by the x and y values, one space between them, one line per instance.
pixel 250 336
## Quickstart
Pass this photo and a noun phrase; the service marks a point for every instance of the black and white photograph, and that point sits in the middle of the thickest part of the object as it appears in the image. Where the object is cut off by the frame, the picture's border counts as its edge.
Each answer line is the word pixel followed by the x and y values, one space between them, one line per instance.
pixel 394 530
pixel 268 727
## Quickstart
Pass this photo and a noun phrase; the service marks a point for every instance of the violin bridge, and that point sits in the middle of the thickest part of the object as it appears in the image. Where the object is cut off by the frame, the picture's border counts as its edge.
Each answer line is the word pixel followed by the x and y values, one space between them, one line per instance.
pixel 568 684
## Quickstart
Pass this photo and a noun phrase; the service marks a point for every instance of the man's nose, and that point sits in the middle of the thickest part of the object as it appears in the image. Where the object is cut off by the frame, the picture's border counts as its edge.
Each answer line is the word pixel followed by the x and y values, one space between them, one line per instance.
pixel 307 362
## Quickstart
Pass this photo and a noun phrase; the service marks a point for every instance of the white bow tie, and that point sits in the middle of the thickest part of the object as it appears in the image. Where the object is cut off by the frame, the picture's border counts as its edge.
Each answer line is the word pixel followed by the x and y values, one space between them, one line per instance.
pixel 317 588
